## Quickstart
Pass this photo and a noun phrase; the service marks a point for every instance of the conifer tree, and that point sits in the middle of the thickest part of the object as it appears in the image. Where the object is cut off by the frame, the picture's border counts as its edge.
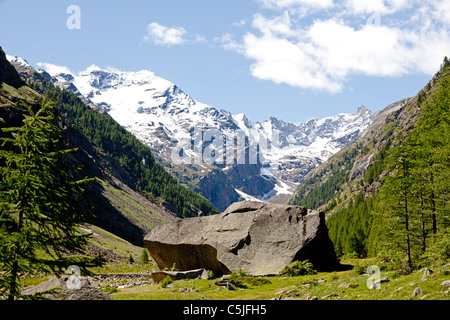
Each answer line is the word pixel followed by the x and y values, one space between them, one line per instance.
pixel 417 190
pixel 144 256
pixel 38 201
pixel 397 194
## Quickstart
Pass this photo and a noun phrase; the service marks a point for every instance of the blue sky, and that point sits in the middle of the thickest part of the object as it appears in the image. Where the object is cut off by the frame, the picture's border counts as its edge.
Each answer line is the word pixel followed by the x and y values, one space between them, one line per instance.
pixel 292 59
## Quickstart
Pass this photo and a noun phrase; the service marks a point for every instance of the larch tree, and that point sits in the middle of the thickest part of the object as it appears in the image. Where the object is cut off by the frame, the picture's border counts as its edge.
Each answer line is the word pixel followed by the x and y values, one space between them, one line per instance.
pixel 39 196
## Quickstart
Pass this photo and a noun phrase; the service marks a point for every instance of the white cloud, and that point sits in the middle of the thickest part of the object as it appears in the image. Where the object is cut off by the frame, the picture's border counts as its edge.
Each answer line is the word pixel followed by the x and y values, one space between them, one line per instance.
pixel 239 23
pixel 343 50
pixel 53 69
pixel 377 6
pixel 282 61
pixel 280 25
pixel 441 10
pixel 282 4
pixel 227 42
pixel 162 35
pixel 325 52
pixel 168 36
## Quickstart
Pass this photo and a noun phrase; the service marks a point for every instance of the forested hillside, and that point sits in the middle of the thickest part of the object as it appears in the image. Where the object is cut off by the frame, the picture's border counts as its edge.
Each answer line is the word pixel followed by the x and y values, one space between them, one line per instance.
pixel 388 193
pixel 144 174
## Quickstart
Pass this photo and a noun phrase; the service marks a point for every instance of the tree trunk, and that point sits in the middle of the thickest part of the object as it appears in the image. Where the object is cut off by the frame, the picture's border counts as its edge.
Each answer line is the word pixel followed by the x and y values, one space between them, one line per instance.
pixel 408 243
pixel 423 222
pixel 15 267
pixel 13 280
pixel 433 204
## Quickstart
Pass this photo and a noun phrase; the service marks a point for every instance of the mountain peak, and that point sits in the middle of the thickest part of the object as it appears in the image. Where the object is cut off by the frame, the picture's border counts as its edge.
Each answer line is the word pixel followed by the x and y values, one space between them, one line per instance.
pixel 8 73
pixel 18 60
pixel 362 109
pixel 160 114
pixel 92 68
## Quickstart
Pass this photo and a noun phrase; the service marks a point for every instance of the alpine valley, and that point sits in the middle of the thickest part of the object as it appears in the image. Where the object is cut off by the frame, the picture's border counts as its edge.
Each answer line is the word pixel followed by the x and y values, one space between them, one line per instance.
pixel 161 115
pixel 368 190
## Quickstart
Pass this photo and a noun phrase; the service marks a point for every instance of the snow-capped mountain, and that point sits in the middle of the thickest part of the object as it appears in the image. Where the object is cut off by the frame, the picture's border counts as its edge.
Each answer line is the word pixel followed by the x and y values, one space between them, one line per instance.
pixel 18 60
pixel 161 115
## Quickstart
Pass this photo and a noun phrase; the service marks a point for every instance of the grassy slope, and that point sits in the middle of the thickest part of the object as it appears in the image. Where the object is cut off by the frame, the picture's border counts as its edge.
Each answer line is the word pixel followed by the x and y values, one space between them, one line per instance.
pixel 398 288
pixel 130 206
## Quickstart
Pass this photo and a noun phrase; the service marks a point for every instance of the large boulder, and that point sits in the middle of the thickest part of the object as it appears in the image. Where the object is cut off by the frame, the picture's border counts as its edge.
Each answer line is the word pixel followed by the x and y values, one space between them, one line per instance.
pixel 259 238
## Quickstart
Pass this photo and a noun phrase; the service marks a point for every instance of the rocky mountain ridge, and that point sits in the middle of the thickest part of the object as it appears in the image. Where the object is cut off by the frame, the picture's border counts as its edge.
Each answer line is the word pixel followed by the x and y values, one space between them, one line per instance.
pixel 357 160
pixel 162 116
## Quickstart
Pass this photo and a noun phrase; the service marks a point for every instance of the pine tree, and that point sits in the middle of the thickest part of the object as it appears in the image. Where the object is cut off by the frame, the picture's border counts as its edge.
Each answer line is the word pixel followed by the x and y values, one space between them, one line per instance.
pixel 144 256
pixel 417 191
pixel 432 138
pixel 38 201
pixel 397 194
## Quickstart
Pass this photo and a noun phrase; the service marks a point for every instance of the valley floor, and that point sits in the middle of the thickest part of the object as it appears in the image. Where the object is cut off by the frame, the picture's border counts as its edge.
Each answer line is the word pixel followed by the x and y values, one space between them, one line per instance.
pixel 345 285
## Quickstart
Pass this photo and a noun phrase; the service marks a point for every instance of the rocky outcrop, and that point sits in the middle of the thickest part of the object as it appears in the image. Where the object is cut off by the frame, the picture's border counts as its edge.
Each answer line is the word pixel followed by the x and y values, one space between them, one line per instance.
pixel 65 289
pixel 259 238
pixel 179 275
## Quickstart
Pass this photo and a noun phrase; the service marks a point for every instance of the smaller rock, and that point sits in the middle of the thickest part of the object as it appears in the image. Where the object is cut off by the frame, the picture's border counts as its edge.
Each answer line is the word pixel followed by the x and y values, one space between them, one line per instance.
pixel 365 275
pixel 291 292
pixel 225 277
pixel 348 285
pixel 178 275
pixel 226 283
pixel 333 295
pixel 306 286
pixel 417 292
pixel 231 286
pixel 446 284
pixel 426 273
pixel 384 280
pixel 222 283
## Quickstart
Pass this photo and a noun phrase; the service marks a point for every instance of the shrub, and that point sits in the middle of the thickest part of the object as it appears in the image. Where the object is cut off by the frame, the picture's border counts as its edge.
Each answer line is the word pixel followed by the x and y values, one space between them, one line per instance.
pixel 240 279
pixel 298 268
pixel 210 274
pixel 144 256
pixel 334 276
pixel 438 251
pixel 255 281
pixel 237 278
pixel 445 271
pixel 110 289
pixel 359 268
pixel 167 280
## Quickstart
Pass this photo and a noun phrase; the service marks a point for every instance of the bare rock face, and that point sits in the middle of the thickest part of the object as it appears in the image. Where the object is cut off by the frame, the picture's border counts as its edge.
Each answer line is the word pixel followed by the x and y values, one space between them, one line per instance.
pixel 259 238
